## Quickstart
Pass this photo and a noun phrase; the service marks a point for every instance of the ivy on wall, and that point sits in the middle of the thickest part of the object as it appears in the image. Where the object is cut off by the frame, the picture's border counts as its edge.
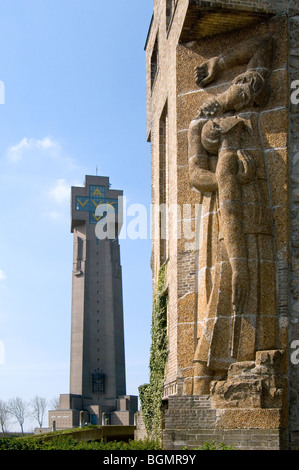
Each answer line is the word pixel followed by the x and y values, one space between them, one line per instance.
pixel 151 394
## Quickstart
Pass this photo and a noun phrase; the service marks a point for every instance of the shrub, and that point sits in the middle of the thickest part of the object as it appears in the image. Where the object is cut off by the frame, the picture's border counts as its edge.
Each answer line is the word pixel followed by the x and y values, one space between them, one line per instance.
pixel 67 443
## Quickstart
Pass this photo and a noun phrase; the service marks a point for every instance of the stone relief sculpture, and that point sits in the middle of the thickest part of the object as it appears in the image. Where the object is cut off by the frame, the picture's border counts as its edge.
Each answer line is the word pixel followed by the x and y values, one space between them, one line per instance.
pixel 236 311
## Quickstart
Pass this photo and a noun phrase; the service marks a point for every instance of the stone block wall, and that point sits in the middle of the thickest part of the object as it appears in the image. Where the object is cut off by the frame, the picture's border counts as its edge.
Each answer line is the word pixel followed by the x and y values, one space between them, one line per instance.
pixel 140 433
pixel 272 122
pixel 174 92
pixel 190 421
pixel 161 103
pixel 182 45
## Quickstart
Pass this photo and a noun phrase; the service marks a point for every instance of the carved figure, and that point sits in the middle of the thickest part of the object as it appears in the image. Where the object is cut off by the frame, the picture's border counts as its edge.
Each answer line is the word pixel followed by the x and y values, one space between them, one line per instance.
pixel 251 88
pixel 236 311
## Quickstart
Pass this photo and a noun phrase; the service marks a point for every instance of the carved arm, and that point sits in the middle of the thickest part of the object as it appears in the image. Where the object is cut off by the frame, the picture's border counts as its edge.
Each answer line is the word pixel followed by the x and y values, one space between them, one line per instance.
pixel 200 176
pixel 257 53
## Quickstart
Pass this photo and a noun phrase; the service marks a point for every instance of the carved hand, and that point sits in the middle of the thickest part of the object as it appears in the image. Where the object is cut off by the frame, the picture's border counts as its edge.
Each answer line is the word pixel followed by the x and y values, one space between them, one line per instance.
pixel 210 108
pixel 207 72
pixel 249 166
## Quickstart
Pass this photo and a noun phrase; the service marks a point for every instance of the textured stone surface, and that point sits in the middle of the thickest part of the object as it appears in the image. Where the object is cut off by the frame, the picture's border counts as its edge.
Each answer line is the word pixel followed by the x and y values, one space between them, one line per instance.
pixel 275 150
pixel 140 433
pixel 228 165
pixel 252 384
pixel 189 98
pixel 190 421
pixel 249 419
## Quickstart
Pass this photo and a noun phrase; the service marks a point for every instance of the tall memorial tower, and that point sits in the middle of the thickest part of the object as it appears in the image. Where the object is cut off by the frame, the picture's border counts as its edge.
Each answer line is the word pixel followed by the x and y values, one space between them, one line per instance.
pixel 97 337
pixel 97 358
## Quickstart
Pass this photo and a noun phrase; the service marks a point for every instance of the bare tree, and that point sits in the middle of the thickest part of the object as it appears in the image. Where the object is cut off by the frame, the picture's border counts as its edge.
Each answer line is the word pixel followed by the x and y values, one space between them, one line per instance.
pixel 55 402
pixel 4 417
pixel 19 409
pixel 38 409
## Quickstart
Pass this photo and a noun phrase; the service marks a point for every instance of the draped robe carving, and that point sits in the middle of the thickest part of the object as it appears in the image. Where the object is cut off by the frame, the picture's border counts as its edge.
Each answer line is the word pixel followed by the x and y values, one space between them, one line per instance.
pixel 236 309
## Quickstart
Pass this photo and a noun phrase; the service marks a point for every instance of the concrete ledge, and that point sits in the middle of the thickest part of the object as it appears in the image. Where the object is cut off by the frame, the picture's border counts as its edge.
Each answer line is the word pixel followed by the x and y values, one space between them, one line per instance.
pixel 105 433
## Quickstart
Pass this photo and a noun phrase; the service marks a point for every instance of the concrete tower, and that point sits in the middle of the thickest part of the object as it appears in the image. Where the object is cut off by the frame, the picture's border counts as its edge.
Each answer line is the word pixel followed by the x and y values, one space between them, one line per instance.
pixel 97 365
pixel 97 338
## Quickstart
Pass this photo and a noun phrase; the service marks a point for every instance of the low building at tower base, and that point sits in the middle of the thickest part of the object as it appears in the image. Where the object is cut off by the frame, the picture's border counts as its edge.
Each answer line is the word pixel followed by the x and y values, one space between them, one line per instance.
pixel 74 411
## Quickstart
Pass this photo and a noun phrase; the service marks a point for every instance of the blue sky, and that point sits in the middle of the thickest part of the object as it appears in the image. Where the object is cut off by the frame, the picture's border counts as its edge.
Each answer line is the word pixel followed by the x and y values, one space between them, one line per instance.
pixel 74 77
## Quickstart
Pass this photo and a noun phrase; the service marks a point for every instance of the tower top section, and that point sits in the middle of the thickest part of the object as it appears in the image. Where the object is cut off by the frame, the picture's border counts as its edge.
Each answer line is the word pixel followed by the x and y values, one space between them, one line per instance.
pixel 90 202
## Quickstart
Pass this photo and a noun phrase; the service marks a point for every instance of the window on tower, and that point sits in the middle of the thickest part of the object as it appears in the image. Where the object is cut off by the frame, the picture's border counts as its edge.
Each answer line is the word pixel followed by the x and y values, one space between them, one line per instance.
pixel 79 256
pixel 98 382
pixel 170 4
pixel 154 63
pixel 163 184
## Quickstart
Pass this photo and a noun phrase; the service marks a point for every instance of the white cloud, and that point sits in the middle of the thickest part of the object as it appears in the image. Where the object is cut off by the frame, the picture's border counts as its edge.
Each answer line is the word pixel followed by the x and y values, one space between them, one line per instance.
pixel 16 152
pixel 54 215
pixel 47 143
pixel 60 193
pixel 58 201
pixel 2 275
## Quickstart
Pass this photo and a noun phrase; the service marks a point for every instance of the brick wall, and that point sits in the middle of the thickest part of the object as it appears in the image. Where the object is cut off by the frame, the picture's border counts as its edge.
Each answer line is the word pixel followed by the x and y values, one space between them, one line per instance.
pixel 160 96
pixel 186 273
pixel 190 421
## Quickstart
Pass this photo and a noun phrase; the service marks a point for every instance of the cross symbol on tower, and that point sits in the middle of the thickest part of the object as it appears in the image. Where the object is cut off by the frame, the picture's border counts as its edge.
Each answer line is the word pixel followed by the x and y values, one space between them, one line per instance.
pixel 97 197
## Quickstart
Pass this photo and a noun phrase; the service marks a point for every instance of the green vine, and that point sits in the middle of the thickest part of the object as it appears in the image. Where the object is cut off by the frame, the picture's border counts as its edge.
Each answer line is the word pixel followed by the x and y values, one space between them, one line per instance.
pixel 151 394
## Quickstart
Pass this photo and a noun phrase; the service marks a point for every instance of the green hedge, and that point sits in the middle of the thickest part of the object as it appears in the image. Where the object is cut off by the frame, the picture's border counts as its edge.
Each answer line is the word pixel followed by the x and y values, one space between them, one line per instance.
pixel 57 443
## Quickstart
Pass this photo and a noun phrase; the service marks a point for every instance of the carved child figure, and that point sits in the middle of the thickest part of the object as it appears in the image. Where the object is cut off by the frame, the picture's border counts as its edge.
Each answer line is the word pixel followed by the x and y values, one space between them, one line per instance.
pixel 235 300
pixel 235 167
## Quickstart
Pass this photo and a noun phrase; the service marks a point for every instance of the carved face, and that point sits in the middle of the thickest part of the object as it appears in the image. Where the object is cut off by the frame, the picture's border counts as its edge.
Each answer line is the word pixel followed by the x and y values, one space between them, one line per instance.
pixel 245 90
pixel 239 96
